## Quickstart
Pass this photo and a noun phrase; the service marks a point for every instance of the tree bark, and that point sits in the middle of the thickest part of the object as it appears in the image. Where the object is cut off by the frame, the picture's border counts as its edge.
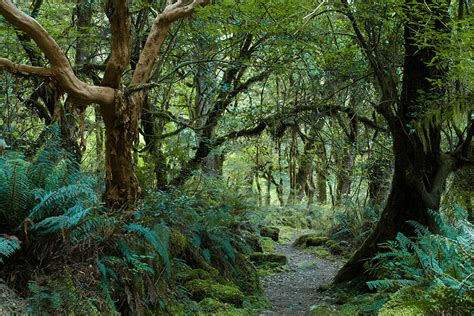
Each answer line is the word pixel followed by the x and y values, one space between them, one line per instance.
pixel 344 175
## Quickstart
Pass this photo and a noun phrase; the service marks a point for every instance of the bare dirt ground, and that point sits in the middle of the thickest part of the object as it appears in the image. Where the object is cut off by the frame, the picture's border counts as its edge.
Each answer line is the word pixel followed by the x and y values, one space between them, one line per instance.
pixel 293 292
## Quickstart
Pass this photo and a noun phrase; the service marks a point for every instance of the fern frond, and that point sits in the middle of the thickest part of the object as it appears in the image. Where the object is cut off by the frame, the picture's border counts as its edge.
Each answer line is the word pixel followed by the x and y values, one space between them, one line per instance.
pixel 8 247
pixel 160 246
pixel 55 202
pixel 16 194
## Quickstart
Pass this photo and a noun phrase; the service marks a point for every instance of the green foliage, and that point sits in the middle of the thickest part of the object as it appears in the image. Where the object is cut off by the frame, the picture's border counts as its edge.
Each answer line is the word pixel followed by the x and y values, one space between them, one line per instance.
pixel 431 264
pixel 60 294
pixel 354 223
pixel 48 192
pixel 16 193
pixel 8 247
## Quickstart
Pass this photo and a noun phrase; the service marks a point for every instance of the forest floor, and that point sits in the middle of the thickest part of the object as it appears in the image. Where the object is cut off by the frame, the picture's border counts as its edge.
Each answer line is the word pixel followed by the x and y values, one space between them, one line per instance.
pixel 295 291
pixel 10 302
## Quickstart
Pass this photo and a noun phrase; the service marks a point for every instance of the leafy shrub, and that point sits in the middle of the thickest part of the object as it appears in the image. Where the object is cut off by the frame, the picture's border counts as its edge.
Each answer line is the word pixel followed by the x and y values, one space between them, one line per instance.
pixel 8 247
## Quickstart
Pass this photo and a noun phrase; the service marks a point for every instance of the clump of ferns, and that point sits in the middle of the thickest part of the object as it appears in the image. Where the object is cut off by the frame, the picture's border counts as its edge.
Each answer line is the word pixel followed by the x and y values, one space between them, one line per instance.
pixel 41 196
pixel 431 264
pixel 133 263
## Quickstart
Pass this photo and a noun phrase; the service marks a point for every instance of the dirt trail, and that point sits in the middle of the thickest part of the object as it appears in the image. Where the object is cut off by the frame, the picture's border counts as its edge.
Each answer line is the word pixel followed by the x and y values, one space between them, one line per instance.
pixel 293 292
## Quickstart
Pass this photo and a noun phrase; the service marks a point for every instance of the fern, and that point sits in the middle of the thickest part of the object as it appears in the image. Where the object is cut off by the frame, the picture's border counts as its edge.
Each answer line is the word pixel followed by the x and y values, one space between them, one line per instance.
pixel 56 201
pixel 70 219
pixel 431 261
pixel 15 189
pixel 8 247
pixel 161 246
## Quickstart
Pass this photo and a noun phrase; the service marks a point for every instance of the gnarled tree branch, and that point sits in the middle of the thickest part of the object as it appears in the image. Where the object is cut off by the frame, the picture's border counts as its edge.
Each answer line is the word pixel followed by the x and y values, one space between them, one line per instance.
pixel 25 70
pixel 61 70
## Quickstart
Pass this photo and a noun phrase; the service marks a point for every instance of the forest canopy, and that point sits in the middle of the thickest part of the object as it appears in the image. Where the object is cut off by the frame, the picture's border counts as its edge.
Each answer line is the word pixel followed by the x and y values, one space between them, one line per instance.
pixel 179 156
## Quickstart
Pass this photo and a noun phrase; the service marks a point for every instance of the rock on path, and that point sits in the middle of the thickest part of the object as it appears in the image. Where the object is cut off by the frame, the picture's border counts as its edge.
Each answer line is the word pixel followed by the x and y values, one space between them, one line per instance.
pixel 294 291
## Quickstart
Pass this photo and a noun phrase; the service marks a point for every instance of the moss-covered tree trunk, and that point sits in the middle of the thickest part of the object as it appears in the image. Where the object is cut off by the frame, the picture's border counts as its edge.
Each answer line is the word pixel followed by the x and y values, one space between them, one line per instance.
pixel 421 168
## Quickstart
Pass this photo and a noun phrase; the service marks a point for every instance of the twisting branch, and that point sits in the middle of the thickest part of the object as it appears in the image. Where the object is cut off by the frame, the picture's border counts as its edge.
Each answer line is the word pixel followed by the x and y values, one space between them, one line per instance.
pixel 61 70
pixel 120 24
pixel 25 70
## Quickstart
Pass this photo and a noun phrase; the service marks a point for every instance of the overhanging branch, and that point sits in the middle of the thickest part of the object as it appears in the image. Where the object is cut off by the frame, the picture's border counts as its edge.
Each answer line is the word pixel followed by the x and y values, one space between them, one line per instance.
pixel 25 70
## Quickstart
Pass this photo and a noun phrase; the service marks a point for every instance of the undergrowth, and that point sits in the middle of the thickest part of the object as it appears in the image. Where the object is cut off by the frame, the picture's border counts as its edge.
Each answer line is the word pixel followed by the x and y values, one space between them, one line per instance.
pixel 431 274
pixel 78 257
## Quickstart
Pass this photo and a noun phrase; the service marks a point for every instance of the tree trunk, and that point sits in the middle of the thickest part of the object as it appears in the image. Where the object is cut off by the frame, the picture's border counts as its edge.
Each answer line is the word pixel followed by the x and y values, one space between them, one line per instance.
pixel 99 142
pixel 344 176
pixel 213 165
pixel 120 133
pixel 322 187
pixel 304 185
pixel 378 180
pixel 421 168
pixel 403 204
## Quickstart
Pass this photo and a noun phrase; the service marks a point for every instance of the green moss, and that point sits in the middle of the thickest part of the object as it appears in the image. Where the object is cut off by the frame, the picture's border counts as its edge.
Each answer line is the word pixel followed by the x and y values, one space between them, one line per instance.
pixel 323 310
pixel 247 277
pixel 212 305
pixel 201 289
pixel 252 240
pixel 62 290
pixel 334 247
pixel 261 258
pixel 286 234
pixel 267 244
pixel 402 310
pixel 178 243
pixel 193 274
pixel 271 268
pixel 310 240
pixel 320 252
pixel 270 231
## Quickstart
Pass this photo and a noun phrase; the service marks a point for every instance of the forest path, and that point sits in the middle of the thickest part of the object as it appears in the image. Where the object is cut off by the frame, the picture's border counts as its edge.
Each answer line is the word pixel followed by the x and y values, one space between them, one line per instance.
pixel 293 292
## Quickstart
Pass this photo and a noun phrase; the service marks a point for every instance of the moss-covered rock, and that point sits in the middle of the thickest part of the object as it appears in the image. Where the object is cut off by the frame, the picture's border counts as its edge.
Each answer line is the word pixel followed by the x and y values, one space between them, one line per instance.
pixel 246 276
pixel 267 244
pixel 310 240
pixel 270 231
pixel 261 258
pixel 323 310
pixel 212 305
pixel 193 274
pixel 320 252
pixel 201 289
pixel 334 247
